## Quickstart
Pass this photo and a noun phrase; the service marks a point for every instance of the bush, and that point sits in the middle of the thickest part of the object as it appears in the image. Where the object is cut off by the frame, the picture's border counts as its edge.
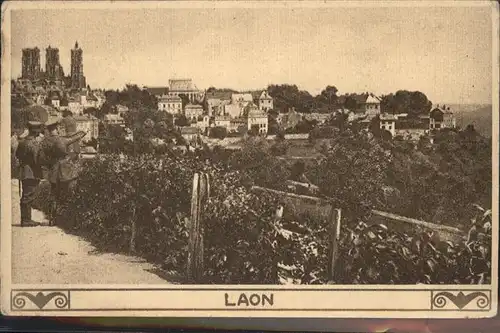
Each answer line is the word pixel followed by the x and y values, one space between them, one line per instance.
pixel 244 243
pixel 218 132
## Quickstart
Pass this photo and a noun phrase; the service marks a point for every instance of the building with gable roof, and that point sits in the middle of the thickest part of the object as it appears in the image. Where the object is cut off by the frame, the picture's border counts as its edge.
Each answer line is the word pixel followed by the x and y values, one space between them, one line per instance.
pixel 388 123
pixel 170 104
pixel 256 118
pixel 241 98
pixel 441 117
pixel 193 111
pixel 177 87
pixel 372 105
pixel 265 101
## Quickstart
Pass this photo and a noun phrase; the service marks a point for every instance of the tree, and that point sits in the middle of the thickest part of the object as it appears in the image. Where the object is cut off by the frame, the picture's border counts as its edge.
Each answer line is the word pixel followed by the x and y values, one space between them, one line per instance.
pixel 242 129
pixel 92 111
pixel 414 103
pixel 273 126
pixel 286 96
pixel 339 120
pixel 181 121
pixel 18 102
pixel 351 173
pixel 351 103
pixel 185 100
pixel 328 98
pixel 218 132
pixel 305 126
pixel 254 130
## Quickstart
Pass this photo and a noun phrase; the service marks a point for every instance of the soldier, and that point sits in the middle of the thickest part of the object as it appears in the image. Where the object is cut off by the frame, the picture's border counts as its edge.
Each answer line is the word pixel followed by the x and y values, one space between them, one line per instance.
pixel 30 171
pixel 57 157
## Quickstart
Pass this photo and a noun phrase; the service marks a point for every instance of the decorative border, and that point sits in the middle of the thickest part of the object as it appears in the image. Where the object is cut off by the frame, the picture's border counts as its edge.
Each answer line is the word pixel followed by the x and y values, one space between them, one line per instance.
pixel 57 300
pixel 439 300
pixel 451 300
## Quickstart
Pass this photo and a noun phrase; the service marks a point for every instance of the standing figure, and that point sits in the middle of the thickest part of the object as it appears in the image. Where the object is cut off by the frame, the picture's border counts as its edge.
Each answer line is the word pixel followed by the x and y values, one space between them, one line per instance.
pixel 30 171
pixel 57 157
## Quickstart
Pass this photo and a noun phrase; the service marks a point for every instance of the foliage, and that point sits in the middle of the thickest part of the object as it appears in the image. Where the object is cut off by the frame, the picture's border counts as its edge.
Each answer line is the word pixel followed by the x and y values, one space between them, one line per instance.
pixel 130 96
pixel 181 121
pixel 254 130
pixel 244 241
pixel 352 173
pixel 218 132
pixel 286 96
pixel 412 102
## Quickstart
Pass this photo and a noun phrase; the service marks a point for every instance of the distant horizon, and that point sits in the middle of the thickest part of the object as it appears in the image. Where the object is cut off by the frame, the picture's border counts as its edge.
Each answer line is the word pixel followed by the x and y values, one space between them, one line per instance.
pixel 446 53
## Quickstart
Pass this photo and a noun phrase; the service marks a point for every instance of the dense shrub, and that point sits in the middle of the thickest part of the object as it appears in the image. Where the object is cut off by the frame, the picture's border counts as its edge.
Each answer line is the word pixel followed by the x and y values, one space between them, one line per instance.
pixel 244 242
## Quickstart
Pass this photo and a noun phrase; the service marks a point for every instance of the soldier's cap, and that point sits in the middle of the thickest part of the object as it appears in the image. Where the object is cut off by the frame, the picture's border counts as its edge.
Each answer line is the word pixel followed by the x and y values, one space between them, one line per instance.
pixel 34 124
pixel 52 122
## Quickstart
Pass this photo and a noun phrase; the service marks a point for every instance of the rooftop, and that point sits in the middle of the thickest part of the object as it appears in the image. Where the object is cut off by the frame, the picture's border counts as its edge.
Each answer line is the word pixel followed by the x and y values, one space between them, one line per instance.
pixel 113 117
pixel 85 117
pixel 181 85
pixel 189 130
pixel 194 106
pixel 372 99
pixel 157 91
pixel 220 95
pixel 170 99
pixel 242 97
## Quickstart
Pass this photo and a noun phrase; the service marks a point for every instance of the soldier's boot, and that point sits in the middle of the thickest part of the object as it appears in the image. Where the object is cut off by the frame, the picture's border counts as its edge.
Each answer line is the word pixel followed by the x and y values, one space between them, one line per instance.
pixel 26 220
pixel 53 215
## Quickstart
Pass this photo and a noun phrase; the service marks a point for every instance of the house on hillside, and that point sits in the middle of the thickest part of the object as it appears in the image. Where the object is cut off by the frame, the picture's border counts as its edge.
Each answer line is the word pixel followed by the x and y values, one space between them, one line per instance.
pixel 321 118
pixel 114 119
pixel 289 119
pixel 256 118
pixel 441 117
pixel 366 103
pixel 222 121
pixel 193 111
pixel 233 110
pixel 236 124
pixel 88 123
pixel 202 122
pixel 265 101
pixel 372 105
pixel 75 106
pixel 411 129
pixel 122 110
pixel 237 98
pixel 170 104
pixel 215 101
pixel 388 123
pixel 190 134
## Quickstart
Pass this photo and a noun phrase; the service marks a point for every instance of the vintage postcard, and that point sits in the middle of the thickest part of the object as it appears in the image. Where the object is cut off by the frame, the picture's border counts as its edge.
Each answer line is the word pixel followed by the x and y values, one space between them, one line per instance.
pixel 250 159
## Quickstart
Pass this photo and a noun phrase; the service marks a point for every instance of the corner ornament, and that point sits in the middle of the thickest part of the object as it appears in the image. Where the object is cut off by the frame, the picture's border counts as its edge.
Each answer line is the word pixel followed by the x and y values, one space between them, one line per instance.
pixel 61 300
pixel 460 300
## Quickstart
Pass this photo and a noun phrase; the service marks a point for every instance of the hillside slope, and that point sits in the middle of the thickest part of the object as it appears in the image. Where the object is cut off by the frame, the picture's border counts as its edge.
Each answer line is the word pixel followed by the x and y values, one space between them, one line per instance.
pixel 481 118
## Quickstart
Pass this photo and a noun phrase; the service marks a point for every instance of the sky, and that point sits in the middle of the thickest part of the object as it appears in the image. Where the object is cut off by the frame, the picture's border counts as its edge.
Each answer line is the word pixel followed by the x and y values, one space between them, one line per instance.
pixel 444 52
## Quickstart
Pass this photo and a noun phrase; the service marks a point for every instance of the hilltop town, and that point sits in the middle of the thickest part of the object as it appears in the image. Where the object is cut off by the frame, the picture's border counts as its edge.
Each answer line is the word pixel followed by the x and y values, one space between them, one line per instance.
pixel 202 115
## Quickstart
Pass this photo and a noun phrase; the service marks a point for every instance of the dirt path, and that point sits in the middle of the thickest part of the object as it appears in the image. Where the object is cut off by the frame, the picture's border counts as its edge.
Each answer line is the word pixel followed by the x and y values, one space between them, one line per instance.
pixel 50 256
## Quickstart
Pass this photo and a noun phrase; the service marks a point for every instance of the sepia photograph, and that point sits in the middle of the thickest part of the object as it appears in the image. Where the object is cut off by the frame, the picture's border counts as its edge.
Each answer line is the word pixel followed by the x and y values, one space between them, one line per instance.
pixel 279 144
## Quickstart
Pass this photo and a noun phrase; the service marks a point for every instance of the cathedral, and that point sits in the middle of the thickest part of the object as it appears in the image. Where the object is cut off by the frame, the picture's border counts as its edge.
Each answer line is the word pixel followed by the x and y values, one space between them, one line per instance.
pixel 54 73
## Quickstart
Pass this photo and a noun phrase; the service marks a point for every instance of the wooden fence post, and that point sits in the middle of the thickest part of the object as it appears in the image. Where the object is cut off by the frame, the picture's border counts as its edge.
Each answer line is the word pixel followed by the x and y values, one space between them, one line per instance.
pixel 335 222
pixel 133 232
pixel 195 247
pixel 192 229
